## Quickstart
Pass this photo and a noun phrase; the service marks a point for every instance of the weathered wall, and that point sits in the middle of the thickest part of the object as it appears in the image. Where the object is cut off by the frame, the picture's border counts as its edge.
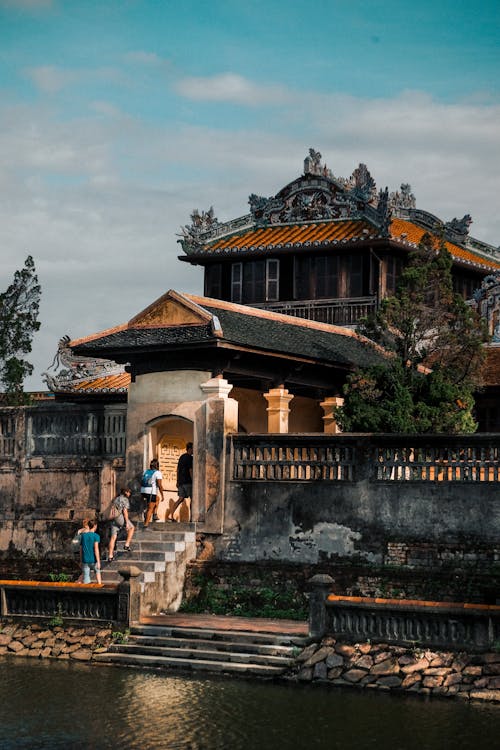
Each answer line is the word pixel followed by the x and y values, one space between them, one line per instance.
pixel 58 464
pixel 358 516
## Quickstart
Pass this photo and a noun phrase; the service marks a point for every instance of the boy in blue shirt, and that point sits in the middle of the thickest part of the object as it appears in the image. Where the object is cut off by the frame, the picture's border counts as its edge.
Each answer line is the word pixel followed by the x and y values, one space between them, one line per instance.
pixel 89 553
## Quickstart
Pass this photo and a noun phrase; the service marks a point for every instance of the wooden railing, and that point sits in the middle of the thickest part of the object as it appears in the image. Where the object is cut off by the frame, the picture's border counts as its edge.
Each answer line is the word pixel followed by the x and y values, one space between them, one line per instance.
pixel 343 312
pixel 377 458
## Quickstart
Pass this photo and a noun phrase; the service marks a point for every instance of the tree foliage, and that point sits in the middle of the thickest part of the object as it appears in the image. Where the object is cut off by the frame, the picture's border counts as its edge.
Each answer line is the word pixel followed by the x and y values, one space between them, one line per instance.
pixel 19 306
pixel 435 341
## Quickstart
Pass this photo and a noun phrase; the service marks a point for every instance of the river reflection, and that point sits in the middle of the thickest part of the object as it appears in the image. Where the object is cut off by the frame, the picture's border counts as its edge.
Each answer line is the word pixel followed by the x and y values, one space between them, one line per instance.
pixel 54 705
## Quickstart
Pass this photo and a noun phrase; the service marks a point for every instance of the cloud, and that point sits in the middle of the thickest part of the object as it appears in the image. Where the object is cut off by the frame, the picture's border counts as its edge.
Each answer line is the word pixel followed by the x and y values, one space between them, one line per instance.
pixel 230 87
pixel 50 79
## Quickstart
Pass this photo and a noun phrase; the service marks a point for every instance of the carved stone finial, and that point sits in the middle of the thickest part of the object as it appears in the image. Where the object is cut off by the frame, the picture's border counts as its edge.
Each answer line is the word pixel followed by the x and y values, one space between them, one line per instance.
pixel 200 222
pixel 312 163
pixel 403 198
pixel 384 212
pixel 460 226
pixel 364 186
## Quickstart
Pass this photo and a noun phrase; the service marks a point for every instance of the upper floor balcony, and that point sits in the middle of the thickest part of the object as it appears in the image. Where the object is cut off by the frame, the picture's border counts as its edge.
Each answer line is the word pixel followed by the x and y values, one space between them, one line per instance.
pixel 339 312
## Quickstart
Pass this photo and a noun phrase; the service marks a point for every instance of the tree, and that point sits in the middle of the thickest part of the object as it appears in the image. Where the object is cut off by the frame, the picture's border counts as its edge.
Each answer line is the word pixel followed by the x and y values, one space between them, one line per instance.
pixel 19 307
pixel 435 344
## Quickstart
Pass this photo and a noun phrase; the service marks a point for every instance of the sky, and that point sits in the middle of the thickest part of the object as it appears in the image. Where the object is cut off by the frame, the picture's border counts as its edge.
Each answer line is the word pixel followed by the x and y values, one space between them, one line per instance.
pixel 119 117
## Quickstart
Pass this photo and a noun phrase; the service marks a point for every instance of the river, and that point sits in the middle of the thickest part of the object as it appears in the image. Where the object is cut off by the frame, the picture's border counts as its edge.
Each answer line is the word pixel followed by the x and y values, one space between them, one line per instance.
pixel 55 705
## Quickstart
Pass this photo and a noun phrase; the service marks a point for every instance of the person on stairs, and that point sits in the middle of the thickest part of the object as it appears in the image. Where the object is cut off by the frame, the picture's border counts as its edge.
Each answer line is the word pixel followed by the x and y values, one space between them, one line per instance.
pixel 121 522
pixel 151 488
pixel 184 479
pixel 89 552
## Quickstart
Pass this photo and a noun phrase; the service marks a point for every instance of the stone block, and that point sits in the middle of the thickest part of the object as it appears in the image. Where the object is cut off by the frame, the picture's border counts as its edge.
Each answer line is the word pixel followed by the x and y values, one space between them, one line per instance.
pixel 433 681
pixel 334 673
pixel 417 666
pixel 15 646
pixel 307 652
pixel 452 679
pixel 83 654
pixel 334 660
pixel 410 680
pixel 389 666
pixel 320 671
pixel 354 675
pixel 364 662
pixel 345 649
pixel 320 655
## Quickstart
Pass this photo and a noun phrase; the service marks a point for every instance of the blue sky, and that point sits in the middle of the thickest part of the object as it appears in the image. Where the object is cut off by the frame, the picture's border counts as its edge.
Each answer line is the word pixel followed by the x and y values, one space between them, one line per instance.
pixel 118 118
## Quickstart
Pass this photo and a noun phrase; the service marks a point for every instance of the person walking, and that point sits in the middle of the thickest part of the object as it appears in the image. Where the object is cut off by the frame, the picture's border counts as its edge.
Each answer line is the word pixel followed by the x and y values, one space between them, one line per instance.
pixel 151 488
pixel 89 552
pixel 184 479
pixel 121 521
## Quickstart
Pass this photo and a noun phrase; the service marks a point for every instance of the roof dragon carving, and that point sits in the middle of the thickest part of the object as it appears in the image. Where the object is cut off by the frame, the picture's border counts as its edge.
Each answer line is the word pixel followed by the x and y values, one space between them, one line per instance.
pixel 76 368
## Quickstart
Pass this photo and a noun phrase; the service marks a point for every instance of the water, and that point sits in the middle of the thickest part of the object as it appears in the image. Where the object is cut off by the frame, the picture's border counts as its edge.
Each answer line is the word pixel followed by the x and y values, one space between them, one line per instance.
pixel 54 705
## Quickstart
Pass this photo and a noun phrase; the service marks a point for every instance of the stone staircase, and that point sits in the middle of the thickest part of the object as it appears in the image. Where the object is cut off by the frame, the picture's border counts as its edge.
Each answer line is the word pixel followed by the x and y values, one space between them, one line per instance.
pixel 236 652
pixel 161 553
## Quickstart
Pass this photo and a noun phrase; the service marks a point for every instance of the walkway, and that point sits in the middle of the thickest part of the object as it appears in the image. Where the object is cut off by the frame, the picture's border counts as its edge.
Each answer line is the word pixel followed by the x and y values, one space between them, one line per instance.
pixel 228 622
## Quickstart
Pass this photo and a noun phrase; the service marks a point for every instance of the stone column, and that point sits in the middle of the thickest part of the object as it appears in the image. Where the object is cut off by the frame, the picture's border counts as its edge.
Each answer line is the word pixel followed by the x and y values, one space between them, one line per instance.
pixel 277 410
pixel 129 595
pixel 214 420
pixel 329 421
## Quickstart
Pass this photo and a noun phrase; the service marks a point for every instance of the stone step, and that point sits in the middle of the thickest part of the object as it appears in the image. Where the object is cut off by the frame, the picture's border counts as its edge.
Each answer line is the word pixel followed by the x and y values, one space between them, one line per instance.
pixel 262 649
pixel 164 536
pixel 146 545
pixel 236 636
pixel 182 651
pixel 186 664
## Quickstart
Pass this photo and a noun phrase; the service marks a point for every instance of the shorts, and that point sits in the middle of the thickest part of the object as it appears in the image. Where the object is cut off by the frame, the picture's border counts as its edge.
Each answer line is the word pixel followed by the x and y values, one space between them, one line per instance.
pixel 86 568
pixel 184 491
pixel 115 528
pixel 149 498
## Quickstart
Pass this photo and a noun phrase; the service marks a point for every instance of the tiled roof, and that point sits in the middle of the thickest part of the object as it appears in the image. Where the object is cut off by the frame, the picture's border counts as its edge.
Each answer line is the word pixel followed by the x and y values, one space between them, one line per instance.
pixel 298 235
pixel 241 326
pixel 106 384
pixel 413 234
pixel 323 233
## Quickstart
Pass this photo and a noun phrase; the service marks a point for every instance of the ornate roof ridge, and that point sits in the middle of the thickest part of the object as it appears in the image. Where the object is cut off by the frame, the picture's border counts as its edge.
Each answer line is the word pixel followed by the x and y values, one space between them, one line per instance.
pixel 319 195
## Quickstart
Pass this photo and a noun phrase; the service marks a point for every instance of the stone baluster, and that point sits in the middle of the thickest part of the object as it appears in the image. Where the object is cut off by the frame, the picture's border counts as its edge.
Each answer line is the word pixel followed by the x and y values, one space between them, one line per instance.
pixel 278 400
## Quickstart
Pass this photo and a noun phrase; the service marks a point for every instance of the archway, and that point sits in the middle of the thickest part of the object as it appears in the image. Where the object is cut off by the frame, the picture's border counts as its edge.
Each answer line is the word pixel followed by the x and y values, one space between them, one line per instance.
pixel 167 441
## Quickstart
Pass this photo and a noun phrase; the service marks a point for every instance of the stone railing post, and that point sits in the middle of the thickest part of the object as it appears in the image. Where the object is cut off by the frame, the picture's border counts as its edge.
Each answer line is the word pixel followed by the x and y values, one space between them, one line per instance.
pixel 129 595
pixel 321 585
pixel 329 405
pixel 278 409
pixel 214 420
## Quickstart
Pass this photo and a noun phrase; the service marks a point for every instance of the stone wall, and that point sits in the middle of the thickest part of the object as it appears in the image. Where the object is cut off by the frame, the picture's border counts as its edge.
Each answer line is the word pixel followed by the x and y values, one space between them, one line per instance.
pixel 59 463
pixel 386 667
pixel 409 501
pixel 41 641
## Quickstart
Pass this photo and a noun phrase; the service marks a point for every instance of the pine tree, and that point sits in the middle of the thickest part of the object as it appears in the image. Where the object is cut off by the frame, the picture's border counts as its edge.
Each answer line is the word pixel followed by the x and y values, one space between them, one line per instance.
pixel 19 306
pixel 436 345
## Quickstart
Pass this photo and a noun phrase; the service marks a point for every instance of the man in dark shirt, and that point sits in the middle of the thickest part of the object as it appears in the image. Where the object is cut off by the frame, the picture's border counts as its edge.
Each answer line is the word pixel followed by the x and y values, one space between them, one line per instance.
pixel 184 479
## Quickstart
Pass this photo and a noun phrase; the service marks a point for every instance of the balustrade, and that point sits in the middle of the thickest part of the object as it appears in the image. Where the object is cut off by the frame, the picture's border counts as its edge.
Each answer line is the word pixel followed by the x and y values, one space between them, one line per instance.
pixel 73 602
pixel 382 458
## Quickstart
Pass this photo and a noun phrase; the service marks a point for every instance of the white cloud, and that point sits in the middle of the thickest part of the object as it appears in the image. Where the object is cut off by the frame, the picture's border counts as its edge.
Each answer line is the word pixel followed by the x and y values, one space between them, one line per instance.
pixel 230 87
pixel 51 79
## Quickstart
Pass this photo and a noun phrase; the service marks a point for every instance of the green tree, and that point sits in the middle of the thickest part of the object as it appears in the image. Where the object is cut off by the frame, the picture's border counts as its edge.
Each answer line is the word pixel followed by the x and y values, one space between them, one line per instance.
pixel 19 306
pixel 435 344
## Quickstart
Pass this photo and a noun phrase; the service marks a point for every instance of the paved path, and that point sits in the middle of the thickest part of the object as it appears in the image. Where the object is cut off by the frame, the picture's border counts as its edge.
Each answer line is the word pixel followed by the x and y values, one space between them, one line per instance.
pixel 227 622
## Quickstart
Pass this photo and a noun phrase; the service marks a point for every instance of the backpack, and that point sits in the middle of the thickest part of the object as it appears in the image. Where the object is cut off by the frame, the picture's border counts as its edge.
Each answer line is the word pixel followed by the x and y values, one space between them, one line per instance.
pixel 112 511
pixel 147 478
